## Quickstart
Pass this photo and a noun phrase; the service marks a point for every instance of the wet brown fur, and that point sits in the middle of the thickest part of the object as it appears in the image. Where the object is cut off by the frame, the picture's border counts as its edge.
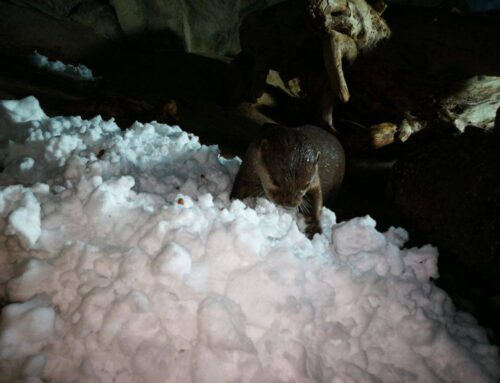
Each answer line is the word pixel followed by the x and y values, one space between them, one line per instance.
pixel 293 167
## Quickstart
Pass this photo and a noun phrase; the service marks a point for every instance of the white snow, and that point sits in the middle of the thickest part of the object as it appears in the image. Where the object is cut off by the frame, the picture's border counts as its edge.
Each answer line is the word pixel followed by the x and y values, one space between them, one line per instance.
pixel 126 262
pixel 79 72
pixel 21 212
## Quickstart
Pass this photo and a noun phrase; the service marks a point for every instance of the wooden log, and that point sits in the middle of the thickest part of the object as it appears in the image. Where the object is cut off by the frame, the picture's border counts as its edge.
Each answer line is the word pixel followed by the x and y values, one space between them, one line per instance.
pixel 430 74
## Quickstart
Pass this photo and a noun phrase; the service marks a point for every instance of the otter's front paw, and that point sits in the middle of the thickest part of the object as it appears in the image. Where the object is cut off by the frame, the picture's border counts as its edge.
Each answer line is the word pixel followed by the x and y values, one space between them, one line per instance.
pixel 312 228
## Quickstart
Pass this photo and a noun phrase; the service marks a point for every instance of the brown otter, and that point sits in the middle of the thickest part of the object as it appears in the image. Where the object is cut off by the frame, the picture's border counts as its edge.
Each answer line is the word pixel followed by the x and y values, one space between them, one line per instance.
pixel 293 167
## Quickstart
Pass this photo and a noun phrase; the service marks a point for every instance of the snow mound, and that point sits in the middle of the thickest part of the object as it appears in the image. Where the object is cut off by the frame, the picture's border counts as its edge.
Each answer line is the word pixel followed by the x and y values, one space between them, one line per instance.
pixel 128 263
pixel 78 72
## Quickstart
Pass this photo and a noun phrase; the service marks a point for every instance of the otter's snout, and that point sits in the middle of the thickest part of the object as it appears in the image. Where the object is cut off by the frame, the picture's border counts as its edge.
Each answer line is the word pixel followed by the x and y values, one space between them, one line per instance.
pixel 288 200
pixel 292 202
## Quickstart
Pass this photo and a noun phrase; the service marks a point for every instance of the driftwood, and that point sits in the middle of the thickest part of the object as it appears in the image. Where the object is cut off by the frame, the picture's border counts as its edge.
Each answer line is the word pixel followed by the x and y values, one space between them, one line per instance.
pixel 426 75
pixel 312 40
pixel 437 70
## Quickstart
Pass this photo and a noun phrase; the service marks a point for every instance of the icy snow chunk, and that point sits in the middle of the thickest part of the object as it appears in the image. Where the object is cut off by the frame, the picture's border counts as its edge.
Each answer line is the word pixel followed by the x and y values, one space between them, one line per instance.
pixel 357 235
pixel 79 72
pixel 25 328
pixel 34 278
pixel 27 164
pixel 423 262
pixel 418 330
pixel 394 260
pixel 397 236
pixel 247 236
pixel 22 210
pixel 174 260
pixel 206 201
pixel 34 367
pixel 126 312
pixel 16 111
pixel 58 148
pixel 214 314
pixel 152 242
pixel 223 349
pixel 109 195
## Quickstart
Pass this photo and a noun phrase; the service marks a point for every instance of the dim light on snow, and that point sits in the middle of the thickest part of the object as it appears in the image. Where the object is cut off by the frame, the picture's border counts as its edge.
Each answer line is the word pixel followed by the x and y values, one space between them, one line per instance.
pixel 113 279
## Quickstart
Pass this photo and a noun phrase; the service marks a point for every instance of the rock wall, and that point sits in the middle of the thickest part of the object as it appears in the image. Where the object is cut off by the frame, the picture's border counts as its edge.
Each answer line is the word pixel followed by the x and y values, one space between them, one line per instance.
pixel 208 27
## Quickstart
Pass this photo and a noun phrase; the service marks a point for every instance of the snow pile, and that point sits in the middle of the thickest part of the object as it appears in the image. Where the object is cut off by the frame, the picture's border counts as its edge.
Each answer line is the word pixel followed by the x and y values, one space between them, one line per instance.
pixel 127 263
pixel 80 72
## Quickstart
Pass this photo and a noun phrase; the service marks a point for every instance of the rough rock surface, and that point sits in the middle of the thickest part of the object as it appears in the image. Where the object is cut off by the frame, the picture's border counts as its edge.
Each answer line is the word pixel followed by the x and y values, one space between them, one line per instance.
pixel 200 26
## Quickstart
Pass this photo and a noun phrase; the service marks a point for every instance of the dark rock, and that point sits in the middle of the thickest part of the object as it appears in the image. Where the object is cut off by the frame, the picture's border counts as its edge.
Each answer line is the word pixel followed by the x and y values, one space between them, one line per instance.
pixel 450 191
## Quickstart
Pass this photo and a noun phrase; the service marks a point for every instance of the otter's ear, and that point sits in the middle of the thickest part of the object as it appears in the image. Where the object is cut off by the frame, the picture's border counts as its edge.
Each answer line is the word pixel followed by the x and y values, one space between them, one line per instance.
pixel 264 144
pixel 318 154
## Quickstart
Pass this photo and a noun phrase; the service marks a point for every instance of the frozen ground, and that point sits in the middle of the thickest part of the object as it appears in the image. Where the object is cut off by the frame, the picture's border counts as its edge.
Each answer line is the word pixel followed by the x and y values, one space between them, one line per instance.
pixel 79 72
pixel 127 263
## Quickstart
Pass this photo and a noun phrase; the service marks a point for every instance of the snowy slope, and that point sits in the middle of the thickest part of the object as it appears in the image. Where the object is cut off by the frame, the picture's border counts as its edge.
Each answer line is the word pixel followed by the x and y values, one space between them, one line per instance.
pixel 128 263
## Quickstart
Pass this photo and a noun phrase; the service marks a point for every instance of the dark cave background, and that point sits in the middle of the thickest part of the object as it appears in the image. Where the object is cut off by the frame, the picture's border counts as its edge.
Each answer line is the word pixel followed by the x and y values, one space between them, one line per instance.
pixel 222 69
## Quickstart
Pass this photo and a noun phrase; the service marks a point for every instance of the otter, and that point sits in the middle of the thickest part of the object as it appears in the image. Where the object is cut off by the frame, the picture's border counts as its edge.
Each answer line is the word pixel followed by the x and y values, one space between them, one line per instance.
pixel 293 167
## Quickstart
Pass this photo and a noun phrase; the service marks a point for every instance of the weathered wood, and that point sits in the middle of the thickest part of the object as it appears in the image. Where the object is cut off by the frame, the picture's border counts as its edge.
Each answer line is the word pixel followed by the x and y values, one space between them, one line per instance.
pixel 429 75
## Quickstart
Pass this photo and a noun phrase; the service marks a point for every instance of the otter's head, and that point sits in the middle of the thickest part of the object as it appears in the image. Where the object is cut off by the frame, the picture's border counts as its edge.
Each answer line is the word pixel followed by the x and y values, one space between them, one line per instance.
pixel 287 167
